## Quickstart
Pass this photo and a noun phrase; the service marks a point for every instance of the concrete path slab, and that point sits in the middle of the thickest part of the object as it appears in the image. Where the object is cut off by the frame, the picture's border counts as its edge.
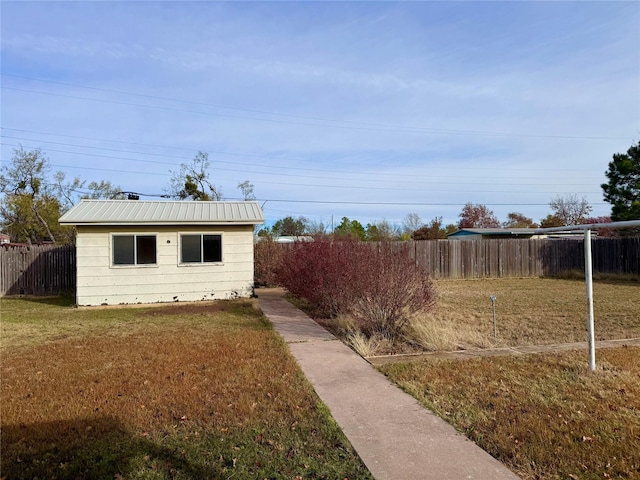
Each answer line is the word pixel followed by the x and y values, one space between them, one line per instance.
pixel 394 435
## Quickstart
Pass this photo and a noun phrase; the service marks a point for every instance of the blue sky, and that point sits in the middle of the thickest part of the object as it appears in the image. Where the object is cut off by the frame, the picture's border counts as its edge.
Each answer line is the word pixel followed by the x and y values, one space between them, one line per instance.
pixel 370 110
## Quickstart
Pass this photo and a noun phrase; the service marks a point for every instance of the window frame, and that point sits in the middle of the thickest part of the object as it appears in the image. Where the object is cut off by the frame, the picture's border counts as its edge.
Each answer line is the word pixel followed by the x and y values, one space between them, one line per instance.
pixel 201 262
pixel 135 263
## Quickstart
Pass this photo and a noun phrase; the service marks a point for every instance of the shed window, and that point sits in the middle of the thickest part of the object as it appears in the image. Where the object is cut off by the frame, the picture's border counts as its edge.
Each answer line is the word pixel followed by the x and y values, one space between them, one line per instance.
pixel 134 249
pixel 201 248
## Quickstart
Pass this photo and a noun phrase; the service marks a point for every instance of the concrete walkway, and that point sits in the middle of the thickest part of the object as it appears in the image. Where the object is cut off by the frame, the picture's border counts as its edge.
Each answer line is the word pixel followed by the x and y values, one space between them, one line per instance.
pixel 394 435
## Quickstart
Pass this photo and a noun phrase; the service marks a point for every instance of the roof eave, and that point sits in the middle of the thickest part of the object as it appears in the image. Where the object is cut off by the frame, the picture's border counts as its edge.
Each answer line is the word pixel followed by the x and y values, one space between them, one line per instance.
pixel 169 223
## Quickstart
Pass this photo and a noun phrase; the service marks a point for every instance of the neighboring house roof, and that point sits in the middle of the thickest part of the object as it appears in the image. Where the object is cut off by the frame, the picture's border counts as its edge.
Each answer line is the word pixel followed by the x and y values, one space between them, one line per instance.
pixel 292 239
pixel 508 232
pixel 137 212
pixel 494 231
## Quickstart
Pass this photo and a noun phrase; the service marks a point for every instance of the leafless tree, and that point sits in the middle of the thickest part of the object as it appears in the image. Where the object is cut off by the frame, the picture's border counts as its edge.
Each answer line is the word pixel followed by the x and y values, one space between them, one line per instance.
pixel 571 210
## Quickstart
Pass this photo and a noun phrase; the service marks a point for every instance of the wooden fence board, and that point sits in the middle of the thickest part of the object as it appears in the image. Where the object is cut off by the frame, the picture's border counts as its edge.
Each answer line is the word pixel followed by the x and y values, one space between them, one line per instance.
pixel 37 270
pixel 49 270
pixel 496 258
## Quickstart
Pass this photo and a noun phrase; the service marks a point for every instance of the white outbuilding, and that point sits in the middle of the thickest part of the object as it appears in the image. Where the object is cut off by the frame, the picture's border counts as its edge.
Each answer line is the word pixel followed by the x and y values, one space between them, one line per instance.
pixel 134 251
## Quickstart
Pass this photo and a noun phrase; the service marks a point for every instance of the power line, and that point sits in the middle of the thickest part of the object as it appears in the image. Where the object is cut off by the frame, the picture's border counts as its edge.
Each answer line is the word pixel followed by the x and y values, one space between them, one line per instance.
pixel 345 202
pixel 217 161
pixel 501 169
pixel 338 202
pixel 398 129
pixel 296 184
pixel 214 105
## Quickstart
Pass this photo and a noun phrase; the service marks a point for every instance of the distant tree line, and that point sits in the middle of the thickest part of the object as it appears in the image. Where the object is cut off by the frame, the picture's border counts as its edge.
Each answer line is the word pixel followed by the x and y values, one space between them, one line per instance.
pixel 622 192
pixel 33 199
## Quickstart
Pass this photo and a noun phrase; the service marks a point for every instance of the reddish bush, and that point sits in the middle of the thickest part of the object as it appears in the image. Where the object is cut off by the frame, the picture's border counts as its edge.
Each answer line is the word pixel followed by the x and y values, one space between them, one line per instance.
pixel 319 272
pixel 267 259
pixel 380 285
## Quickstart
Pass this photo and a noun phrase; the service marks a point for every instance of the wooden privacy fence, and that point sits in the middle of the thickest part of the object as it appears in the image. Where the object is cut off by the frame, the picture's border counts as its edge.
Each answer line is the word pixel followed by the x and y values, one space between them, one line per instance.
pixel 495 258
pixel 37 270
pixel 50 270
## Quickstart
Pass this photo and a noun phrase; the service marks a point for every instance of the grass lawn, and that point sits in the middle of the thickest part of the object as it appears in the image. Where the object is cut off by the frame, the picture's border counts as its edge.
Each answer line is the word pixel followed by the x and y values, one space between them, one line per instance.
pixel 529 311
pixel 178 391
pixel 544 416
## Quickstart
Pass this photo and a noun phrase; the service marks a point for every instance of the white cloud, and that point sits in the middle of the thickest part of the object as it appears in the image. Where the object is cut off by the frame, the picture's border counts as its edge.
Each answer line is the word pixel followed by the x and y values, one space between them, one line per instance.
pixel 534 68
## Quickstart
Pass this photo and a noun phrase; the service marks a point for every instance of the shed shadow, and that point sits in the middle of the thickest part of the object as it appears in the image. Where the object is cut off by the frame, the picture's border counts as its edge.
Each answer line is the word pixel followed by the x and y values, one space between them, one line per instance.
pixel 87 448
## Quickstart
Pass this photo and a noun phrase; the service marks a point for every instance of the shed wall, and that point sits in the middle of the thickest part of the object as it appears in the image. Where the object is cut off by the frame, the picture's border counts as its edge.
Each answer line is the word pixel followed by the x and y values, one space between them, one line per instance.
pixel 99 282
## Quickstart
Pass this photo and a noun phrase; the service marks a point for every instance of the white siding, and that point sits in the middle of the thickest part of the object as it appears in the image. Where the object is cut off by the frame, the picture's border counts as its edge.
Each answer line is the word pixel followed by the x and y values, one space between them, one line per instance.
pixel 99 283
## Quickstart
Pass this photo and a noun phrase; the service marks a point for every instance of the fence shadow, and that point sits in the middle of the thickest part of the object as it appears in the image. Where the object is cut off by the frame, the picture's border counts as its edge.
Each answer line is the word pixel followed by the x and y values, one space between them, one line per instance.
pixel 100 447
pixel 610 256
pixel 560 256
pixel 62 300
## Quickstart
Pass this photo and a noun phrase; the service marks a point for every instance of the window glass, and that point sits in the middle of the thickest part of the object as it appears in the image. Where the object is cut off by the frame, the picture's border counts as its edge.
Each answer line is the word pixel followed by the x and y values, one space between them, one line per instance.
pixel 134 249
pixel 146 249
pixel 200 248
pixel 123 251
pixel 191 248
pixel 212 248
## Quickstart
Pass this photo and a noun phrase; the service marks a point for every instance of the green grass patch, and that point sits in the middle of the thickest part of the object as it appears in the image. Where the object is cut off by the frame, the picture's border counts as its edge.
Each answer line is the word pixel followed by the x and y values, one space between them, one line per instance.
pixel 544 416
pixel 174 391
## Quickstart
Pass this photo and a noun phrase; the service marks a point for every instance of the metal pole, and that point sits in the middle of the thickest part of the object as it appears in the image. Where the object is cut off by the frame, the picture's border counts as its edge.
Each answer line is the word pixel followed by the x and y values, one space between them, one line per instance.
pixel 493 308
pixel 588 275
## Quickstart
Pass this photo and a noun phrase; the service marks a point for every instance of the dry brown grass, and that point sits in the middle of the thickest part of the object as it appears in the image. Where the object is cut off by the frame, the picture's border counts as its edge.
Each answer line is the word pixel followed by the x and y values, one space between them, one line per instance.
pixel 529 311
pixel 433 333
pixel 533 311
pixel 544 416
pixel 179 392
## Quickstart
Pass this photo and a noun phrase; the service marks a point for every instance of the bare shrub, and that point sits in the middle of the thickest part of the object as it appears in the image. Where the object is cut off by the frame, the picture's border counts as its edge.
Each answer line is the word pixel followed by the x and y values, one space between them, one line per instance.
pixel 321 272
pixel 267 259
pixel 392 289
pixel 379 285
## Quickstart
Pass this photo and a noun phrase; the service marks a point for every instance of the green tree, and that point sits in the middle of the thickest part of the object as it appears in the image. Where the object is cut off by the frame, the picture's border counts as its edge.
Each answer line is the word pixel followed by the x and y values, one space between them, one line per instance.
pixel 551 221
pixel 33 200
pixel 623 189
pixel 265 232
pixel 518 220
pixel 30 208
pixel 350 228
pixel 192 181
pixel 381 231
pixel 290 227
pixel 104 190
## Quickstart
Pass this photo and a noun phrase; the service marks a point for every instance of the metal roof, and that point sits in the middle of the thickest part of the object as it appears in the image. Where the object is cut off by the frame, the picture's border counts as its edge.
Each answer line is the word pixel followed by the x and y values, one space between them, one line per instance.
pixel 135 212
